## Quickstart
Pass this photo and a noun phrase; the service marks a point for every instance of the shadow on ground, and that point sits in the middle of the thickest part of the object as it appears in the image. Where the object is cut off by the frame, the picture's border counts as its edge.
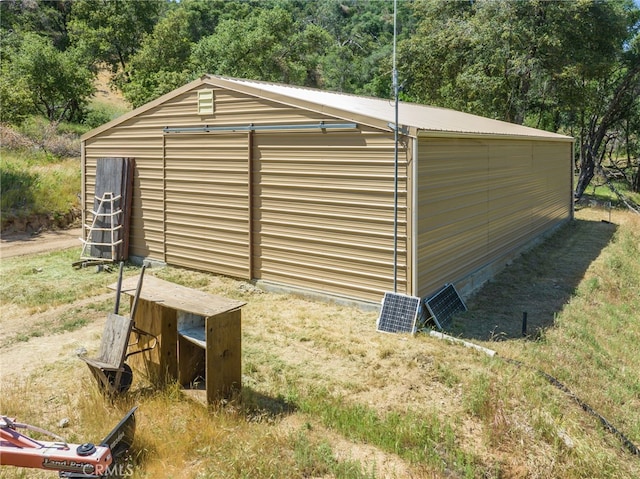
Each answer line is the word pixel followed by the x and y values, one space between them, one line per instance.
pixel 540 283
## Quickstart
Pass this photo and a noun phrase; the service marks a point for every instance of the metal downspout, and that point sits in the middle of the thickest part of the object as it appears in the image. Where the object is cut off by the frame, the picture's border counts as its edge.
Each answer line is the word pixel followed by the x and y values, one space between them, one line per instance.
pixel 394 81
pixel 164 198
pixel 415 184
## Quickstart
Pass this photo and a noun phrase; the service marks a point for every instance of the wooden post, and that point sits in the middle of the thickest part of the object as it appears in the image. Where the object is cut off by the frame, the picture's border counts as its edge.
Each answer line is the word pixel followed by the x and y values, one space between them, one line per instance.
pixel 224 355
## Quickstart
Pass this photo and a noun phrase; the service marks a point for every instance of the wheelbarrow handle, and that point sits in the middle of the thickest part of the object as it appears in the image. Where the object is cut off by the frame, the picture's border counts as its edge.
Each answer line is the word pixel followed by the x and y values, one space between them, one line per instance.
pixel 134 306
pixel 119 288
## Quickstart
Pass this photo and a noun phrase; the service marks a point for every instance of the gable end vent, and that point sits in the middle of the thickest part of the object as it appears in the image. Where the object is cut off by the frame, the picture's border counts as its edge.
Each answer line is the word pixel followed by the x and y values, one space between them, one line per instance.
pixel 206 102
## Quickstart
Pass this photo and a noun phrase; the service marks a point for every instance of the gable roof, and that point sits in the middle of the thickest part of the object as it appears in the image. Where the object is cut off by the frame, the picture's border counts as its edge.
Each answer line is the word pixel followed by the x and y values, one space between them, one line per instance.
pixel 420 120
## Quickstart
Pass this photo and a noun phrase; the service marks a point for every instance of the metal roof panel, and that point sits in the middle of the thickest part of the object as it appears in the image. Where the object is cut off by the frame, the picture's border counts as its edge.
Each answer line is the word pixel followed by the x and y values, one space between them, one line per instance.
pixel 421 117
pixel 376 112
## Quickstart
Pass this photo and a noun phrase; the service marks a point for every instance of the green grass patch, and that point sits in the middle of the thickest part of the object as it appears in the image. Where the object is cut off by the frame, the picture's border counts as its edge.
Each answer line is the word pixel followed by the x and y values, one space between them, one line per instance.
pixel 416 437
pixel 604 195
pixel 47 280
pixel 38 183
pixel 315 458
pixel 590 349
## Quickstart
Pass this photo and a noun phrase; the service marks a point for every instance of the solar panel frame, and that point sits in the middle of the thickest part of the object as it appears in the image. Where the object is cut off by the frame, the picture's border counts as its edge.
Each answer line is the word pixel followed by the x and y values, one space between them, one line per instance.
pixel 398 313
pixel 444 304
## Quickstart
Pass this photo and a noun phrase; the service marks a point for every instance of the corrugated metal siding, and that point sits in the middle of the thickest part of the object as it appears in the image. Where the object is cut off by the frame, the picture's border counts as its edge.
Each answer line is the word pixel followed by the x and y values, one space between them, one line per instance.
pixel 207 202
pixel 479 200
pixel 317 211
pixel 323 212
pixel 553 163
pixel 321 207
pixel 141 137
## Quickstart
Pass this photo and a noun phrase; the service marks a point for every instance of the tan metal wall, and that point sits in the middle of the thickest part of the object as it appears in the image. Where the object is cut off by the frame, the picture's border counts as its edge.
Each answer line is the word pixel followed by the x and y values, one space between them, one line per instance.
pixel 323 212
pixel 141 137
pixel 207 202
pixel 310 209
pixel 479 200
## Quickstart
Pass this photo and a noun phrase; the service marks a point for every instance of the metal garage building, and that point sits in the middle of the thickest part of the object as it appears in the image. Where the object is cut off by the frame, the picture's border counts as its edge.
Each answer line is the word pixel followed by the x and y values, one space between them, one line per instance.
pixel 296 187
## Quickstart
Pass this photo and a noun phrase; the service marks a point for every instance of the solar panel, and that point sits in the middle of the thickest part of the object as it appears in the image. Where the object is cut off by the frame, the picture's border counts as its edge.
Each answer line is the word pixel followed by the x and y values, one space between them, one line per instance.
pixel 444 304
pixel 398 313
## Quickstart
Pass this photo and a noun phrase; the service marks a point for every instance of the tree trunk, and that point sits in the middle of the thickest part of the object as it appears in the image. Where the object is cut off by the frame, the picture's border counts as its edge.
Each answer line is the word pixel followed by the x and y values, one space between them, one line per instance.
pixel 624 95
pixel 587 171
pixel 589 152
pixel 635 186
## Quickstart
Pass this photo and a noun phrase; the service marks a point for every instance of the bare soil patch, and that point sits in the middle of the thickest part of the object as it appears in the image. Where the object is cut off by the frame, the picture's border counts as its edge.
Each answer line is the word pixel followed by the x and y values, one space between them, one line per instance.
pixel 24 243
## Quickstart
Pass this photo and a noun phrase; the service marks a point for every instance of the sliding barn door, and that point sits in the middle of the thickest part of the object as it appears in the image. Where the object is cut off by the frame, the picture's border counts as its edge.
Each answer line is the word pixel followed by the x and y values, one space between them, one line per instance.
pixel 206 188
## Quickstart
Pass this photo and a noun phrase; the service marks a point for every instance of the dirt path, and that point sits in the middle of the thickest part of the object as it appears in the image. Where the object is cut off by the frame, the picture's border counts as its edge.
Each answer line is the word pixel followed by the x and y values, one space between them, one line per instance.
pixel 19 244
pixel 19 357
pixel 22 359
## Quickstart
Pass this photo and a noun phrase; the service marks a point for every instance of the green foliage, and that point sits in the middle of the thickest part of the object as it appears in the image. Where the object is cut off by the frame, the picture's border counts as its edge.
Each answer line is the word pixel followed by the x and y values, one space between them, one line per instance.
pixel 47 18
pixel 111 31
pixel 262 46
pixel 98 114
pixel 47 141
pixel 148 86
pixel 17 187
pixel 160 64
pixel 357 36
pixel 15 98
pixel 96 117
pixel 512 60
pixel 572 67
pixel 58 83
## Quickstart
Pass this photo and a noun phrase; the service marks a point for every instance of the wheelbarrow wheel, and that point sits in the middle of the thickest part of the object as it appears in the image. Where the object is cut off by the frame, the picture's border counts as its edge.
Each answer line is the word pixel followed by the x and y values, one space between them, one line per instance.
pixel 125 379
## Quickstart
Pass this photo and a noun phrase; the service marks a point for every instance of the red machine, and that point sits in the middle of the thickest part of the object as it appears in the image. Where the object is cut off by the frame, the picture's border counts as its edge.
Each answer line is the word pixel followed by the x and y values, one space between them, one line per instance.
pixel 70 460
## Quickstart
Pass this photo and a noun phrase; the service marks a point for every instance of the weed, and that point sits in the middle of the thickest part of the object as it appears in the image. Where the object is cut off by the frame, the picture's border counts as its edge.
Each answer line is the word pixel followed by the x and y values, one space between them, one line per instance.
pixel 415 437
pixel 316 392
pixel 446 375
pixel 47 280
pixel 35 184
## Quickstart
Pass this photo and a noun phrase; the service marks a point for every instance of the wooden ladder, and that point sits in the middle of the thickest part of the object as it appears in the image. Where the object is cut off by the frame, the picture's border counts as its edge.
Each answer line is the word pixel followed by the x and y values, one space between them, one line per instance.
pixel 112 225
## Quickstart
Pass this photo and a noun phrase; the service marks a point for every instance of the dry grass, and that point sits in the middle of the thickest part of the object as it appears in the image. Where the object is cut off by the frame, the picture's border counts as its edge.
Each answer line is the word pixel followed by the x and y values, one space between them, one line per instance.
pixel 326 396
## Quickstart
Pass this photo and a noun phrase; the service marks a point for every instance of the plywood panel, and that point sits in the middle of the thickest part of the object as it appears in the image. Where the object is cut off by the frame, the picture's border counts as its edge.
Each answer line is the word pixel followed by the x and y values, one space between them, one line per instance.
pixel 159 363
pixel 224 355
pixel 145 237
pixel 107 233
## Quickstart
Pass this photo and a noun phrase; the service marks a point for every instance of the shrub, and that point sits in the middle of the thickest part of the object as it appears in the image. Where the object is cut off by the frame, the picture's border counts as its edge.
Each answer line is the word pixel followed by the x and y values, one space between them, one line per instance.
pixel 46 136
pixel 12 139
pixel 16 185
pixel 97 116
